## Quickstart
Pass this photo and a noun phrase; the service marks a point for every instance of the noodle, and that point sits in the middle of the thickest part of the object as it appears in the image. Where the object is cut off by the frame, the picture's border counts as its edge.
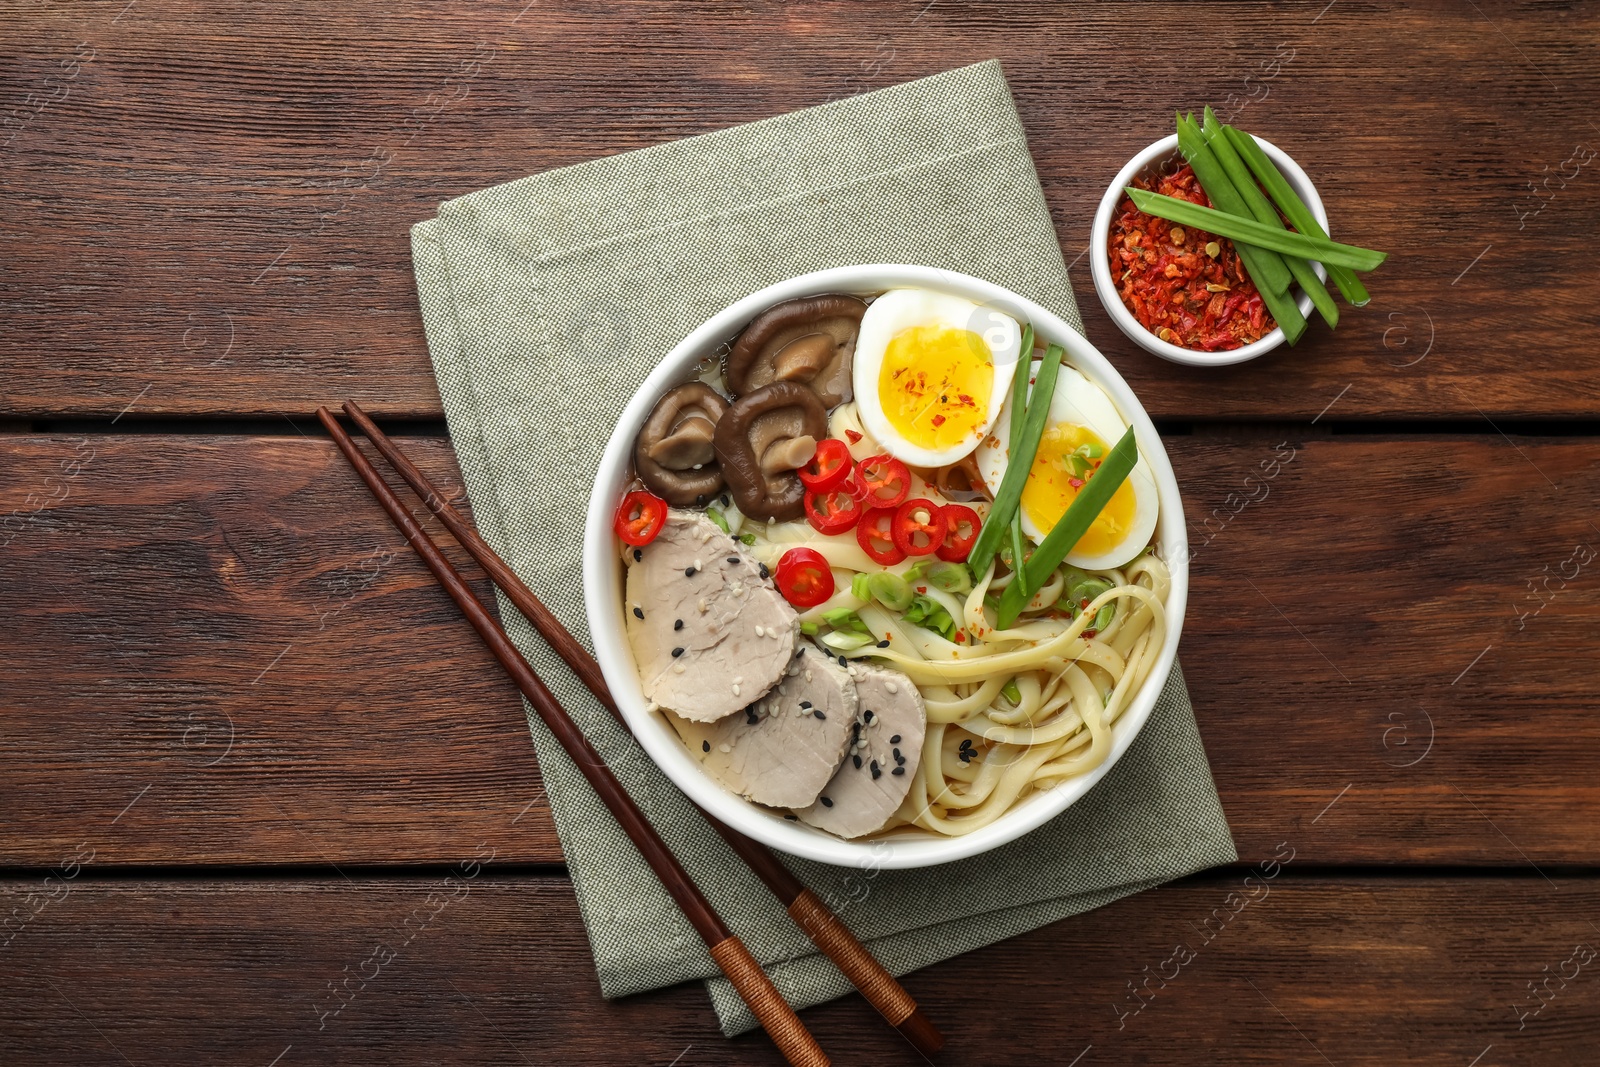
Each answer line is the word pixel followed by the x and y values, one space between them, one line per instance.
pixel 1010 712
pixel 1069 690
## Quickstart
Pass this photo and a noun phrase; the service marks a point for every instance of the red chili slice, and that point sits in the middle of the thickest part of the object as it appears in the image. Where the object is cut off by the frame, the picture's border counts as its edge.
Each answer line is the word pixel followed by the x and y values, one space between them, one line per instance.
pixel 640 517
pixel 919 527
pixel 960 531
pixel 875 535
pixel 883 480
pixel 833 511
pixel 803 577
pixel 829 467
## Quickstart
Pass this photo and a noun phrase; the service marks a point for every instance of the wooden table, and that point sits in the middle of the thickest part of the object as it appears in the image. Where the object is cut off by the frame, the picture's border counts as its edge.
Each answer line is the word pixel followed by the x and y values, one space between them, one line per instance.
pixel 245 737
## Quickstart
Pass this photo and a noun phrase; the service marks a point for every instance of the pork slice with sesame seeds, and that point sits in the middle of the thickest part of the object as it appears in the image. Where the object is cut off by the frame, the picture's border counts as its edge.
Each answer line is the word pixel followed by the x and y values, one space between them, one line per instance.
pixel 866 794
pixel 695 602
pixel 779 753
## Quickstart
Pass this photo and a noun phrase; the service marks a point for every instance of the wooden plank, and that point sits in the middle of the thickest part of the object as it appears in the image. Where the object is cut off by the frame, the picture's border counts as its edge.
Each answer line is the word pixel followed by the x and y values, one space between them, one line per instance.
pixel 233 624
pixel 1361 971
pixel 1372 674
pixel 207 211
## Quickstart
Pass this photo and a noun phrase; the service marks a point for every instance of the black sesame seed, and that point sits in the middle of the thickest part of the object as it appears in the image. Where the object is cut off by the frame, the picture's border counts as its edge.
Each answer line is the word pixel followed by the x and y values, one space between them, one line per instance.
pixel 723 499
pixel 874 768
pixel 792 818
pixel 677 652
pixel 688 572
pixel 876 773
pixel 944 400
pixel 883 644
pixel 700 499
pixel 705 746
pixel 898 770
pixel 677 624
pixel 897 755
pixel 895 740
pixel 868 716
pixel 826 802
pixel 805 703
pixel 638 612
pixel 857 761
pixel 638 554
pixel 733 559
pixel 764 571
pixel 818 713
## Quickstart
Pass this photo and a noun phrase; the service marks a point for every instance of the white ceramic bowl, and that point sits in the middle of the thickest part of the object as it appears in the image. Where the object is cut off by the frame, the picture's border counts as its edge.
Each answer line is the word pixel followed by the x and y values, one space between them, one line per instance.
pixel 1100 259
pixel 602 576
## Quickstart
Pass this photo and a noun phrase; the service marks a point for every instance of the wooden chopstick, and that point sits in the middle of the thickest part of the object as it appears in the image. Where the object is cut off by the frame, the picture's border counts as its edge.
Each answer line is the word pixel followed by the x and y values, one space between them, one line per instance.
pixel 820 924
pixel 775 1014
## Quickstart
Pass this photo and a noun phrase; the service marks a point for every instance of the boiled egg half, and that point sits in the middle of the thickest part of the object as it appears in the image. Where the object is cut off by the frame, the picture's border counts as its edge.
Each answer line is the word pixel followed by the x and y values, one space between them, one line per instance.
pixel 931 373
pixel 1079 431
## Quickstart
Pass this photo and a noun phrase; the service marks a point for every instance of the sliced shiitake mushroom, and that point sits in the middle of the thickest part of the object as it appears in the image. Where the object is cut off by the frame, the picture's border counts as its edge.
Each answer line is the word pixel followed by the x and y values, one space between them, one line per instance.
pixel 675 453
pixel 764 437
pixel 811 339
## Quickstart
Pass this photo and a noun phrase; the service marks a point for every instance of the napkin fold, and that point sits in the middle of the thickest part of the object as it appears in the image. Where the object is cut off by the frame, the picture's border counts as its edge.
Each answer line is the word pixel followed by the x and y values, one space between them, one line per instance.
pixel 547 300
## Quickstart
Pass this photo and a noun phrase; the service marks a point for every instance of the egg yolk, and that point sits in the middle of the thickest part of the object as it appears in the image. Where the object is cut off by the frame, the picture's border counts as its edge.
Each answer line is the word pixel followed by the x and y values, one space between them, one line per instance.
pixel 1057 476
pixel 935 384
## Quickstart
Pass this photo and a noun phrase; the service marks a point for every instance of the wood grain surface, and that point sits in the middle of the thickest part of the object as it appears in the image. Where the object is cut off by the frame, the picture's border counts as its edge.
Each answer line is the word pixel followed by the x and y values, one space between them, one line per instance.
pixel 248 749
pixel 206 204
pixel 1421 660
pixel 496 970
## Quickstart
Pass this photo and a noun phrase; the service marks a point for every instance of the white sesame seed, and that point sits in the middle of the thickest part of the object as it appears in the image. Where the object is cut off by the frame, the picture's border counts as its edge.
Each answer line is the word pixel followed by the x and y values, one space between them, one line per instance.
pixel 735 690
pixel 761 631
pixel 724 747
pixel 808 674
pixel 739 680
pixel 699 566
pixel 677 668
pixel 892 687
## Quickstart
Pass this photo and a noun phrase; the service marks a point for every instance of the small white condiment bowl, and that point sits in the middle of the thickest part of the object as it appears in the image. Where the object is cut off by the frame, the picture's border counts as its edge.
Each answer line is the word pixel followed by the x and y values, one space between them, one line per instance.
pixel 1100 257
pixel 602 577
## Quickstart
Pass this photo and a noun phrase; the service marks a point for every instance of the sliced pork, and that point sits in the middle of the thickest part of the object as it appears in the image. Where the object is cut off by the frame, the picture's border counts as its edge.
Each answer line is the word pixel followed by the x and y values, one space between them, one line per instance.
pixel 709 631
pixel 885 748
pixel 783 748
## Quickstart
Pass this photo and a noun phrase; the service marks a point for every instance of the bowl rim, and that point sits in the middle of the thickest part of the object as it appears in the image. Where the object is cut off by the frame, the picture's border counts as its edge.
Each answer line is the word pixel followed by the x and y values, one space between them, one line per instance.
pixel 603 589
pixel 1106 290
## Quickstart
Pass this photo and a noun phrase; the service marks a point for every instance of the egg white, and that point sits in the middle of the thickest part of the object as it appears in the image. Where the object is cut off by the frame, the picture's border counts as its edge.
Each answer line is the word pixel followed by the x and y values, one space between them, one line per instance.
pixel 1080 402
pixel 901 309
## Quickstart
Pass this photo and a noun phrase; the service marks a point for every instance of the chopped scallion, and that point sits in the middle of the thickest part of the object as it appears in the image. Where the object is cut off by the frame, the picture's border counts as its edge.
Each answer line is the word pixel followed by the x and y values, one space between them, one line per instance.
pixel 1264 213
pixel 890 590
pixel 1081 513
pixel 1289 202
pixel 1020 460
pixel 1249 231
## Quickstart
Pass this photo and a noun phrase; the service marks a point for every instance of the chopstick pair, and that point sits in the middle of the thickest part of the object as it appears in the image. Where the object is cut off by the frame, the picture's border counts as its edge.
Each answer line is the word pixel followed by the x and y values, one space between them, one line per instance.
pixel 819 923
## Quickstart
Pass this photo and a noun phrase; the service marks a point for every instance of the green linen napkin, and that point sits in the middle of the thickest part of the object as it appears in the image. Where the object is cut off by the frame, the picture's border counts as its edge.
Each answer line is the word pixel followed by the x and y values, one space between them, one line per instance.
pixel 547 301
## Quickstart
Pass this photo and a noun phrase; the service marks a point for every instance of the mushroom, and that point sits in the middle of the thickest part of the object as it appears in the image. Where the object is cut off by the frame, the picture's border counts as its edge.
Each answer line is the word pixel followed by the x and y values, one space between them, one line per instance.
pixel 674 453
pixel 810 339
pixel 760 442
